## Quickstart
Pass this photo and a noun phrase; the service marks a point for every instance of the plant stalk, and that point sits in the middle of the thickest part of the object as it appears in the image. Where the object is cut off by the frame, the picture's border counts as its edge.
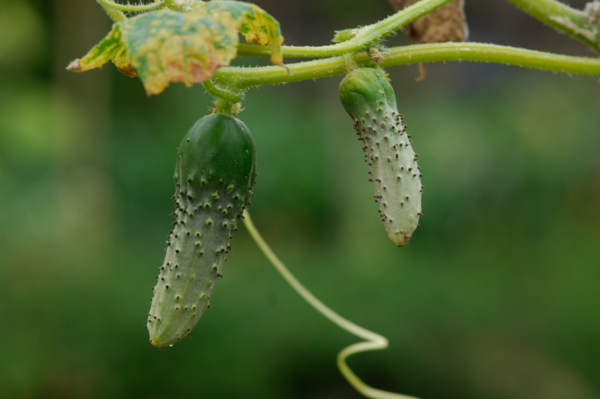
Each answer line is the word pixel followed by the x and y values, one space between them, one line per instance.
pixel 364 38
pixel 566 19
pixel 115 15
pixel 130 8
pixel 221 93
pixel 414 54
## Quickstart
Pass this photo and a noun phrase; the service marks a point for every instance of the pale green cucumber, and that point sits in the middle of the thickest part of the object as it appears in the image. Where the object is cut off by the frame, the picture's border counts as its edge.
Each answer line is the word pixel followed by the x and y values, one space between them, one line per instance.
pixel 368 97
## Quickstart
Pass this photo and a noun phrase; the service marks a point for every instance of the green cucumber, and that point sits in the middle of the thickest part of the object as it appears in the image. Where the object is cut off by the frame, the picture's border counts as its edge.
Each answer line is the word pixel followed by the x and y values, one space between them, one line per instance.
pixel 368 97
pixel 214 176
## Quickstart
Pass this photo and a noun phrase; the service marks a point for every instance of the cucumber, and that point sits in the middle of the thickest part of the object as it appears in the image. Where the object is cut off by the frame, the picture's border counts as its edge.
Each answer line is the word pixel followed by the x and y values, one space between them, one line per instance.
pixel 368 97
pixel 214 176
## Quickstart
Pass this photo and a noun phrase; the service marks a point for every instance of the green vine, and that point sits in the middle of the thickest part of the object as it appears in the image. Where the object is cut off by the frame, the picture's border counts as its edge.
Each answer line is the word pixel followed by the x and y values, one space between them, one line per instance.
pixel 130 8
pixel 579 24
pixel 364 37
pixel 221 93
pixel 248 77
pixel 114 14
pixel 373 341
pixel 573 22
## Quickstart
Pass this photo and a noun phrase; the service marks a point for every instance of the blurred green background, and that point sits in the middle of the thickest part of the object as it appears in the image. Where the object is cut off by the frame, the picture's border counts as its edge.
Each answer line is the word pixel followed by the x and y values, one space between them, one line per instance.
pixel 495 297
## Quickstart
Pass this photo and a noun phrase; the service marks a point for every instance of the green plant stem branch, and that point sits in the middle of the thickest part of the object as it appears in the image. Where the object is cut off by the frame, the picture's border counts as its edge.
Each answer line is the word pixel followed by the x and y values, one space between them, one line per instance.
pixel 221 93
pixel 374 341
pixel 115 15
pixel 414 54
pixel 364 38
pixel 566 19
pixel 130 8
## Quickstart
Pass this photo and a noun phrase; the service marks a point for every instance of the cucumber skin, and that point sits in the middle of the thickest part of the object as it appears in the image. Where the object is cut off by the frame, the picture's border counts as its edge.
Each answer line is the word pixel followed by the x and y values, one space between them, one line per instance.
pixel 214 176
pixel 369 98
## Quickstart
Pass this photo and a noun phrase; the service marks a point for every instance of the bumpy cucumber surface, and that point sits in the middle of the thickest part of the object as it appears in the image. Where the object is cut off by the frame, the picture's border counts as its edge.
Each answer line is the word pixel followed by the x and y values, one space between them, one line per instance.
pixel 368 97
pixel 214 177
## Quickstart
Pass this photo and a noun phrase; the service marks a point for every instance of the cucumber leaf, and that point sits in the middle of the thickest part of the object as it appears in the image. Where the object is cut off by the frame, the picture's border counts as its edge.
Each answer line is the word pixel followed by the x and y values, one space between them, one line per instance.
pixel 167 46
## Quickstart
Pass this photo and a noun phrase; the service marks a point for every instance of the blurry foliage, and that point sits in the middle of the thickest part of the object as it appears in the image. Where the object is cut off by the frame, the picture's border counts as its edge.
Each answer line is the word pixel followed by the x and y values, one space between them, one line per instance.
pixel 495 297
pixel 21 28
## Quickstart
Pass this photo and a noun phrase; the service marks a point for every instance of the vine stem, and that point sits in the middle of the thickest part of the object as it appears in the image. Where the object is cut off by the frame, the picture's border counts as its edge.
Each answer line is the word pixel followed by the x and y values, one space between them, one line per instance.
pixel 115 15
pixel 414 54
pixel 221 93
pixel 130 8
pixel 364 37
pixel 374 341
pixel 569 20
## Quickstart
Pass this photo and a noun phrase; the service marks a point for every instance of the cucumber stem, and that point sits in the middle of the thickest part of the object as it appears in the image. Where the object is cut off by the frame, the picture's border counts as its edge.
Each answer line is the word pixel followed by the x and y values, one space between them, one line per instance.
pixel 225 107
pixel 350 63
pixel 218 92
pixel 226 102
pixel 373 341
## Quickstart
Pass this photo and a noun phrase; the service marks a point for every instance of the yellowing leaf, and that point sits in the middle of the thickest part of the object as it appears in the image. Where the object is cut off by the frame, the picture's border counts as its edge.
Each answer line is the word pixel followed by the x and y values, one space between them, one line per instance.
pixel 111 48
pixel 167 46
pixel 263 29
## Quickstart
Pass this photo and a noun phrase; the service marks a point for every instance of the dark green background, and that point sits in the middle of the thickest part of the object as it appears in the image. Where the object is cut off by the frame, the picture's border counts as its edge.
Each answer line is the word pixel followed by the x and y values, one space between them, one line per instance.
pixel 495 297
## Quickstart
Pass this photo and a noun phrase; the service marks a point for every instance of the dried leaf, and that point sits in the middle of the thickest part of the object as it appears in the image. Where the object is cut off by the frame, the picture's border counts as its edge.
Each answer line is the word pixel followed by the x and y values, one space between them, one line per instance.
pixel 592 9
pixel 444 24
